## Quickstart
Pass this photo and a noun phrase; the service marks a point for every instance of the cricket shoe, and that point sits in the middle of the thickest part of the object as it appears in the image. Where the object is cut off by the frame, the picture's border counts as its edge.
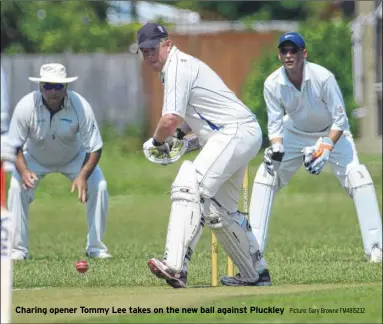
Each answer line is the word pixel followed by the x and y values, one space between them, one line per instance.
pixel 162 271
pixel 18 256
pixel 376 255
pixel 98 255
pixel 238 280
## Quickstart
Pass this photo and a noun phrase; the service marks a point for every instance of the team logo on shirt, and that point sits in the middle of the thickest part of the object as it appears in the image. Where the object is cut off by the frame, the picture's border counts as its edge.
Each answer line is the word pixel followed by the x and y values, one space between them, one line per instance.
pixel 340 110
pixel 66 120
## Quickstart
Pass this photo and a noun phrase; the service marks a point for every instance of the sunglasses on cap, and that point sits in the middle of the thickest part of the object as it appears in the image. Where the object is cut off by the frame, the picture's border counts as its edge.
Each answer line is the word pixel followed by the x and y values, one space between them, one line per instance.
pixel 51 86
pixel 291 50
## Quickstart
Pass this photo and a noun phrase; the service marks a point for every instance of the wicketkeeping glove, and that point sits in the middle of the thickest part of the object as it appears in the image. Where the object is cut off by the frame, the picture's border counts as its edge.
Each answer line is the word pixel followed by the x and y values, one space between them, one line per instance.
pixel 272 157
pixel 315 157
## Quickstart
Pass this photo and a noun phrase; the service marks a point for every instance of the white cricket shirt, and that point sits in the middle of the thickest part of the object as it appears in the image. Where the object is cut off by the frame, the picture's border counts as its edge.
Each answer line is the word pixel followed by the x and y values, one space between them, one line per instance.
pixel 4 102
pixel 195 92
pixel 54 140
pixel 317 107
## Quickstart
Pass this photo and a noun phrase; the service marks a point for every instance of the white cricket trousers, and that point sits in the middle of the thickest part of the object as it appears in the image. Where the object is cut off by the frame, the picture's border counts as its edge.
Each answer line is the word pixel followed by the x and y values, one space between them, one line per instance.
pixel 222 163
pixel 96 206
pixel 342 159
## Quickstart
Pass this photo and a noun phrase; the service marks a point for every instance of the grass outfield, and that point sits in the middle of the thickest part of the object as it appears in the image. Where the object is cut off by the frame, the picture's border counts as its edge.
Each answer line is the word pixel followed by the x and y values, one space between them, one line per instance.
pixel 314 252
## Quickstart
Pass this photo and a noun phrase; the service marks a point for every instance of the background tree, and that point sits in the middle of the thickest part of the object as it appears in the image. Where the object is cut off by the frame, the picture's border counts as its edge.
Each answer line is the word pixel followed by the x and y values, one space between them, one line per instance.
pixel 265 10
pixel 326 42
pixel 59 26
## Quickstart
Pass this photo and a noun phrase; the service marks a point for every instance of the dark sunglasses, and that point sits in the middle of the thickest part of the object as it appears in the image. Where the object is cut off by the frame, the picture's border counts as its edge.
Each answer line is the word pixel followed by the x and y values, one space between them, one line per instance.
pixel 291 50
pixel 56 86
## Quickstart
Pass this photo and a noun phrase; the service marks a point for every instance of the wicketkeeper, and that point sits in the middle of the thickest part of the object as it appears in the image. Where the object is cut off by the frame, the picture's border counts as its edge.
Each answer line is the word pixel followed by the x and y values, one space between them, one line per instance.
pixel 313 132
pixel 61 135
pixel 205 190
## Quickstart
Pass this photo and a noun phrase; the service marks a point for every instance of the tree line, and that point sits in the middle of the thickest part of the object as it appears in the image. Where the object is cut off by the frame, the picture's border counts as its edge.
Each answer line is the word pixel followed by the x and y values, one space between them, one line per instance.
pixel 81 26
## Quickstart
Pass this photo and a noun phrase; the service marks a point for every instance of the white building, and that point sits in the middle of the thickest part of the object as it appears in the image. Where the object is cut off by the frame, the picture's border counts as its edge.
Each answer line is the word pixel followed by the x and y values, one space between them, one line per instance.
pixel 121 12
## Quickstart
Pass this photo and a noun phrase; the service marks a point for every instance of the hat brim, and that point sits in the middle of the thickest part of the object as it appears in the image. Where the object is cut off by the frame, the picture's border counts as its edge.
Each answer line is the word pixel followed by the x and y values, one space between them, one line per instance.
pixel 291 41
pixel 149 43
pixel 53 80
pixel 134 48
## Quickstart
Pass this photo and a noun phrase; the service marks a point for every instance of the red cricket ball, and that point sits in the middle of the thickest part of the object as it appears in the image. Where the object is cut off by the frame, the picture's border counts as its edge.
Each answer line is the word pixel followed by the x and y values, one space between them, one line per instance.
pixel 82 266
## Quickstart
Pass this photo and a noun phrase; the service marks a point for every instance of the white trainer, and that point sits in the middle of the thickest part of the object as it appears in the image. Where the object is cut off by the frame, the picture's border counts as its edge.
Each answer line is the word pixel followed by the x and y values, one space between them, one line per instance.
pixel 99 255
pixel 376 255
pixel 18 256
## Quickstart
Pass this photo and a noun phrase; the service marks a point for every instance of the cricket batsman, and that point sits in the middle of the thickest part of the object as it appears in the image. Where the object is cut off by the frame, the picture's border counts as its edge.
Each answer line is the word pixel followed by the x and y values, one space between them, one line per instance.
pixel 61 135
pixel 8 154
pixel 205 190
pixel 313 132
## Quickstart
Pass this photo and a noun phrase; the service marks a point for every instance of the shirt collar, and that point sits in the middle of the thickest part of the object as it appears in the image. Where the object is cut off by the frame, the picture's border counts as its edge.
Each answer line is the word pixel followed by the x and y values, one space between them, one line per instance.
pixel 168 60
pixel 284 80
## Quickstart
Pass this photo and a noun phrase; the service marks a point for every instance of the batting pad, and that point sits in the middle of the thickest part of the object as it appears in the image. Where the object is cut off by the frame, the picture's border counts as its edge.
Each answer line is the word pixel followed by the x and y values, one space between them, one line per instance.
pixel 361 189
pixel 235 242
pixel 6 266
pixel 262 198
pixel 185 216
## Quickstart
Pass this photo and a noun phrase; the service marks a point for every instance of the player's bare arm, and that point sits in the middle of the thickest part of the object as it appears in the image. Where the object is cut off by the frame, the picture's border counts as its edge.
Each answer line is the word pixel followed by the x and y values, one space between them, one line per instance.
pixel 276 140
pixel 335 135
pixel 90 162
pixel 167 126
pixel 315 161
pixel 27 176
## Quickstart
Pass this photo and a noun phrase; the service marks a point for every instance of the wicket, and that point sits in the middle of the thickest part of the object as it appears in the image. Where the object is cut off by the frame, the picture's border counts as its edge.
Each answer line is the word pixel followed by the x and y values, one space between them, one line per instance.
pixel 214 242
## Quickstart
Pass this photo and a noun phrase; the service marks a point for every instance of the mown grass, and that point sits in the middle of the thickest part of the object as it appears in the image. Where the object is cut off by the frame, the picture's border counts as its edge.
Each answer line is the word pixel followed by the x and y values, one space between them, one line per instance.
pixel 314 238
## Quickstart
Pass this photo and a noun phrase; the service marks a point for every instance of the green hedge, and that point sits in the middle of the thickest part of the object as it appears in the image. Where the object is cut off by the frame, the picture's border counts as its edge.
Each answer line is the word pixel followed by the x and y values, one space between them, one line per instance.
pixel 328 44
pixel 62 26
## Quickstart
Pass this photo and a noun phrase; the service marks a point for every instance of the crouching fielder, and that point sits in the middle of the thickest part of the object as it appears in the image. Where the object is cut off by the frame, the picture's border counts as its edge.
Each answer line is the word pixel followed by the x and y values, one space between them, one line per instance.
pixel 207 189
pixel 316 129
pixel 61 135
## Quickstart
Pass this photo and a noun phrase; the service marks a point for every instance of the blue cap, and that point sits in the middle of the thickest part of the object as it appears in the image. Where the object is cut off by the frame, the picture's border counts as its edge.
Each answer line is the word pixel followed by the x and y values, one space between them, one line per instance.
pixel 149 35
pixel 294 38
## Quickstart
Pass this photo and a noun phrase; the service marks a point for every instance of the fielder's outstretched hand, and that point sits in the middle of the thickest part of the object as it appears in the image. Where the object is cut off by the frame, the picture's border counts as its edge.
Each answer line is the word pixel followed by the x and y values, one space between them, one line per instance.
pixel 28 179
pixel 82 187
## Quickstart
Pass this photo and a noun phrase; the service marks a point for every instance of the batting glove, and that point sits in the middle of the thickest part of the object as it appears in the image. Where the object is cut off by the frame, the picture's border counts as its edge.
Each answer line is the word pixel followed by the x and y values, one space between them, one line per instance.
pixel 315 157
pixel 163 153
pixel 272 158
pixel 156 152
pixel 179 134
pixel 191 140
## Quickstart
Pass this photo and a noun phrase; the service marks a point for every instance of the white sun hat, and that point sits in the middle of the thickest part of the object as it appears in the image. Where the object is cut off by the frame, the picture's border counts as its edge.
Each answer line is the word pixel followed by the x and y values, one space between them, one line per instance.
pixel 53 73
